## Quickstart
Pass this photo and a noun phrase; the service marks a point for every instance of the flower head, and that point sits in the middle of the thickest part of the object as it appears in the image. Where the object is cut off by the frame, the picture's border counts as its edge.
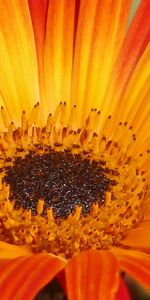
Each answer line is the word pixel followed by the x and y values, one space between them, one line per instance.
pixel 74 160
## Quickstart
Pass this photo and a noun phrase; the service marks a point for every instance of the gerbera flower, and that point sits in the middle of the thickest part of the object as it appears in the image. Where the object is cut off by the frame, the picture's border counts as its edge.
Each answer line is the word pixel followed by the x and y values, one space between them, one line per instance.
pixel 74 144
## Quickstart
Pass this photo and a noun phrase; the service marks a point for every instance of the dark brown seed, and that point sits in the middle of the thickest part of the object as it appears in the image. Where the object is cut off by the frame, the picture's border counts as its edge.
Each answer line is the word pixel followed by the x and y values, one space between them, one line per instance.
pixel 62 179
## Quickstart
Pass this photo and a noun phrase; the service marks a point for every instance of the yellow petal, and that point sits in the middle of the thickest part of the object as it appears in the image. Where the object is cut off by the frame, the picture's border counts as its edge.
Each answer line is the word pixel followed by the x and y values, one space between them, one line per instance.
pixel 12 251
pixel 138 238
pixel 18 76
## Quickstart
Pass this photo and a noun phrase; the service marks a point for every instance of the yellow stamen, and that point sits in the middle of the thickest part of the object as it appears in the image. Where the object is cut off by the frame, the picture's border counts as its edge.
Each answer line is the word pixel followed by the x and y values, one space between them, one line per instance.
pixel 106 223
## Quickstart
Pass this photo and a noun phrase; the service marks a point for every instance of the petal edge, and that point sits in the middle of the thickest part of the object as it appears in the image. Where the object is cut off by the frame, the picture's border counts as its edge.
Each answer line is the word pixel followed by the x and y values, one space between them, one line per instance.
pixel 92 275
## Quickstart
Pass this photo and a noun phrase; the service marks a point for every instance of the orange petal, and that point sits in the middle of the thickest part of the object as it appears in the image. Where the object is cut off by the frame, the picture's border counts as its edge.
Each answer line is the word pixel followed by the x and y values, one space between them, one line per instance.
pixel 139 32
pixel 134 44
pixel 134 106
pixel 138 87
pixel 58 51
pixel 147 209
pixel 136 264
pixel 138 237
pixel 23 277
pixel 100 31
pixel 18 64
pixel 92 275
pixel 11 251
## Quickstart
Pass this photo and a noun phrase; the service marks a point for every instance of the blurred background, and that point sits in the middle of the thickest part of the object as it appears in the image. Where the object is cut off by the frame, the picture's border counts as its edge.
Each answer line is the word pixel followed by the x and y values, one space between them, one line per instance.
pixel 53 291
pixel 133 9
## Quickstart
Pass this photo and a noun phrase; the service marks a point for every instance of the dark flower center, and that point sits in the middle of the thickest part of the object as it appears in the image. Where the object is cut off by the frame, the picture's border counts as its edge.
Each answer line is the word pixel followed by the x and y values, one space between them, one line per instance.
pixel 61 179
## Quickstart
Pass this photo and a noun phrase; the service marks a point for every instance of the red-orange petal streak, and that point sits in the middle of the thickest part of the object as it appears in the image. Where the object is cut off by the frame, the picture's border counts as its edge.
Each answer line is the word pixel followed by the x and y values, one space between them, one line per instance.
pixel 22 277
pixel 136 264
pixel 92 275
pixel 38 11
pixel 58 51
